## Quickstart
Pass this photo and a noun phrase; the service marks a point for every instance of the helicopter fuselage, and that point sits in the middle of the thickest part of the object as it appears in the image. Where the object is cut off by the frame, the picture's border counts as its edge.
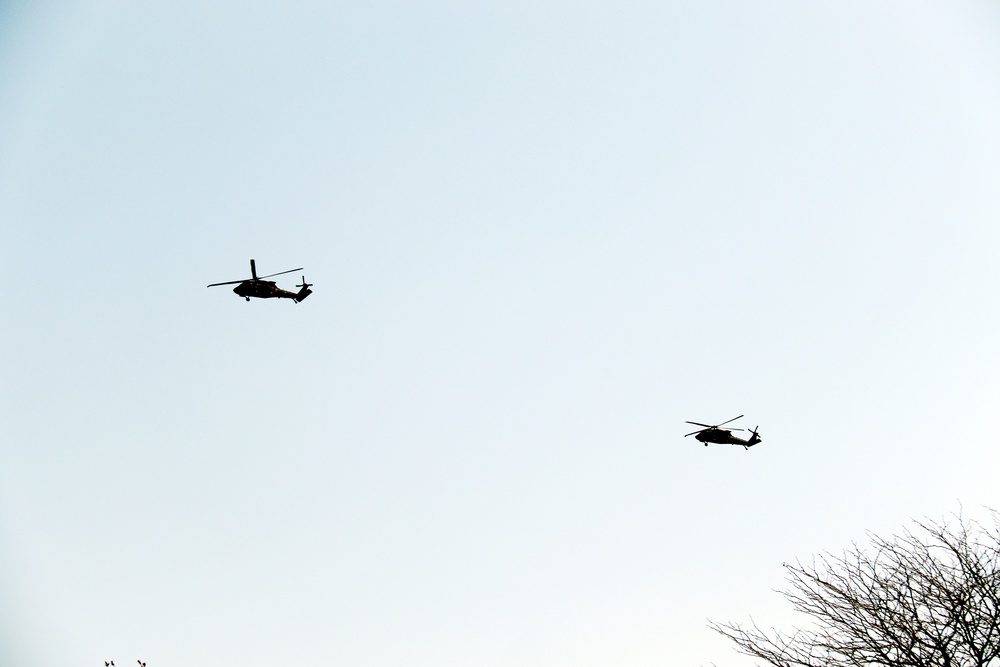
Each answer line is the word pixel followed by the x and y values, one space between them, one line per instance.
pixel 263 289
pixel 720 436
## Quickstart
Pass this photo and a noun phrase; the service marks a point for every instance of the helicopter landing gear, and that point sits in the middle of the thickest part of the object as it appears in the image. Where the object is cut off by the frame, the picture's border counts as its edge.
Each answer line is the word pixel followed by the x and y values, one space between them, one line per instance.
pixel 247 298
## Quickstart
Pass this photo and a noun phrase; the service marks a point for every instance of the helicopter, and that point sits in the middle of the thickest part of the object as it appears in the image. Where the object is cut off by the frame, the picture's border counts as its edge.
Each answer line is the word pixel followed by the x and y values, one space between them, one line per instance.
pixel 723 436
pixel 266 289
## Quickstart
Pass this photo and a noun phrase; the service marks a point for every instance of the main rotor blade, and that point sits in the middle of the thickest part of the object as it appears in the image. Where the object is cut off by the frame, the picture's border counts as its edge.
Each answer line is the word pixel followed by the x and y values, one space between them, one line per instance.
pixel 231 282
pixel 279 273
pixel 731 420
pixel 698 424
pixel 693 432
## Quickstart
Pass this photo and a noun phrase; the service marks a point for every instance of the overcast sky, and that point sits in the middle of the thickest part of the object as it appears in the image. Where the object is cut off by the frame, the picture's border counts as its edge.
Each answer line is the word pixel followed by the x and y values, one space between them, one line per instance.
pixel 542 235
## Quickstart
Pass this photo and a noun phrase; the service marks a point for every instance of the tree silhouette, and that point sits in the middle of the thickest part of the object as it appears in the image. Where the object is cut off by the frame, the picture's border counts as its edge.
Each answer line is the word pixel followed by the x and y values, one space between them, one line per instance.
pixel 929 597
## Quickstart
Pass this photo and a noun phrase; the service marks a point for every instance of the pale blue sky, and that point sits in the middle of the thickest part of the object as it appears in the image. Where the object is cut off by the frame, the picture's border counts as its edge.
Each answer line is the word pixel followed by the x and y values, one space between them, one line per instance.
pixel 542 235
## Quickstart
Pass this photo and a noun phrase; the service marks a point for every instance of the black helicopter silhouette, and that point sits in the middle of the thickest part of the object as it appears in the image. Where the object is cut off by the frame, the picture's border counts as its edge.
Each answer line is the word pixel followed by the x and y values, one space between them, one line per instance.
pixel 723 436
pixel 266 289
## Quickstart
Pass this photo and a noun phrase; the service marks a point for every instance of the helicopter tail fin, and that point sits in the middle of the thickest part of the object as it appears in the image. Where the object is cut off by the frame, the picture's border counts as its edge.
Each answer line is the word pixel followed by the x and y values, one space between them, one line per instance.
pixel 304 292
pixel 754 438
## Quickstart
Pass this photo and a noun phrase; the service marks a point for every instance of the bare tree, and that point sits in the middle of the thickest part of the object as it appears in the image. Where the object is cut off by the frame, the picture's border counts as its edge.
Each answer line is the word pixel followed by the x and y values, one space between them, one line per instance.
pixel 929 597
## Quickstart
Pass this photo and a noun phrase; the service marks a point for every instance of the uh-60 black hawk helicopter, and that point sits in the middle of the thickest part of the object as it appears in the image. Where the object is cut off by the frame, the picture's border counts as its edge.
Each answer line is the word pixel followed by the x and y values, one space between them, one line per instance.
pixel 266 289
pixel 723 436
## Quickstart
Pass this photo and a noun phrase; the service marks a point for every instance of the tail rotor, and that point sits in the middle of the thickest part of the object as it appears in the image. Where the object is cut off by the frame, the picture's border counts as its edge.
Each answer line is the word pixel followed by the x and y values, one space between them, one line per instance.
pixel 304 292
